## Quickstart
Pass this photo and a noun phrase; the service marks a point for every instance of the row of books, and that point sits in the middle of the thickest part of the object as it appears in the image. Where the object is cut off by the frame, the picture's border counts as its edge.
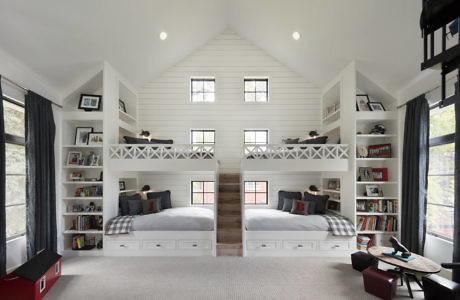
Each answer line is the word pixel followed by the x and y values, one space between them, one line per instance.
pixel 78 241
pixel 378 223
pixel 381 206
pixel 82 223
pixel 364 242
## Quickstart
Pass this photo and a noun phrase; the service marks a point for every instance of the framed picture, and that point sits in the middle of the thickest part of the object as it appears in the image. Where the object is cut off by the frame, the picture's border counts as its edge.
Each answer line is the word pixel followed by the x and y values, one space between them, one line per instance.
pixel 121 185
pixel 333 184
pixel 90 102
pixel 380 174
pixel 362 102
pixel 380 151
pixel 94 160
pixel 95 138
pixel 121 106
pixel 366 174
pixel 373 191
pixel 76 176
pixel 376 106
pixel 81 135
pixel 73 157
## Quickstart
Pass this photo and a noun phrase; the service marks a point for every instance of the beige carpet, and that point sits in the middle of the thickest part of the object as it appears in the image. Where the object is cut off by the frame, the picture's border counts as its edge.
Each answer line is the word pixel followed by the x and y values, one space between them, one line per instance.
pixel 211 278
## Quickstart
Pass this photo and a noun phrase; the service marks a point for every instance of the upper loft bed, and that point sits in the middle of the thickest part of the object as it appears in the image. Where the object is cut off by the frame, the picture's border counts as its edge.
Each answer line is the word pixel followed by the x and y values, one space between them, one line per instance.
pixel 295 157
pixel 162 158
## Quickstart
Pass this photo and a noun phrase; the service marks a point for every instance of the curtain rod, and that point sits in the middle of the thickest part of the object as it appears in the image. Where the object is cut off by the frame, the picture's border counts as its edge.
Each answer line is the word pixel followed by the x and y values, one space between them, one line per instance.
pixel 25 89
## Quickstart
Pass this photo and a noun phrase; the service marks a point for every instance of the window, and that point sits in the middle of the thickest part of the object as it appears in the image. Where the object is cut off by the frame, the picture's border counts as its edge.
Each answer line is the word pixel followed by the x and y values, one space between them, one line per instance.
pixel 256 192
pixel 200 137
pixel 203 90
pixel 202 192
pixel 15 168
pixel 255 90
pixel 256 137
pixel 440 202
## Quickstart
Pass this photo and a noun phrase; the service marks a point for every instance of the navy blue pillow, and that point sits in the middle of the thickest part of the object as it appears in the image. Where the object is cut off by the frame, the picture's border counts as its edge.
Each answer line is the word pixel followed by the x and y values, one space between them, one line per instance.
pixel 319 200
pixel 318 140
pixel 287 204
pixel 165 198
pixel 157 141
pixel 135 207
pixel 133 140
pixel 123 203
pixel 287 195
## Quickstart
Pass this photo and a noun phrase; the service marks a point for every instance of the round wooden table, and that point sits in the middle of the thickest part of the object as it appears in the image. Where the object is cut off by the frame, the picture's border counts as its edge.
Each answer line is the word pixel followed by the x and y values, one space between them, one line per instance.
pixel 420 265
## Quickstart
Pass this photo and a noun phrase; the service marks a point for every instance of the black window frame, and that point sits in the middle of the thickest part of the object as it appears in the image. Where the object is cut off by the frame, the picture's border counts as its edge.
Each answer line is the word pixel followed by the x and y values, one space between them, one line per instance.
pixel 255 192
pixel 198 79
pixel 255 80
pixel 202 130
pixel 256 130
pixel 19 141
pixel 203 192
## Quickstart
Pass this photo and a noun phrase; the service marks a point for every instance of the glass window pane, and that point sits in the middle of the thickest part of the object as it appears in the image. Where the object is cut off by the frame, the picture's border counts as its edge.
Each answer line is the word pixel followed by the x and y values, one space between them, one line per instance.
pixel 249 137
pixel 262 186
pixel 261 97
pixel 197 137
pixel 209 97
pixel 261 198
pixel 209 198
pixel 250 186
pixel 441 190
pixel 261 137
pixel 197 97
pixel 197 186
pixel 15 189
pixel 209 86
pixel 14 119
pixel 15 159
pixel 209 186
pixel 442 159
pixel 15 220
pixel 440 221
pixel 250 86
pixel 249 198
pixel 261 86
pixel 442 121
pixel 197 86
pixel 250 97
pixel 209 137
pixel 197 198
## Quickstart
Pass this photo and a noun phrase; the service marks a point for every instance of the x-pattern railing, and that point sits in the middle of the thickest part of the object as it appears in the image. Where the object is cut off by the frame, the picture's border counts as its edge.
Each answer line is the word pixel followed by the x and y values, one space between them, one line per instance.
pixel 161 151
pixel 295 151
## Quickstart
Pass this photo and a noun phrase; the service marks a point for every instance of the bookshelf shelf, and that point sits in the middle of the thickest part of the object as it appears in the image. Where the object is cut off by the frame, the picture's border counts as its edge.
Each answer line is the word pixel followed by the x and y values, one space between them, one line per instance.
pixel 82 198
pixel 377 182
pixel 330 116
pixel 82 167
pixel 332 191
pixel 359 213
pixel 376 232
pixel 376 159
pixel 83 232
pixel 84 182
pixel 82 213
pixel 372 136
pixel 376 198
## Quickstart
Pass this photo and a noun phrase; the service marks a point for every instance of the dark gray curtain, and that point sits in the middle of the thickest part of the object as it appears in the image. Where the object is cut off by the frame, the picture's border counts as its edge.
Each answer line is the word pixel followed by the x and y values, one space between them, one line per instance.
pixel 415 174
pixel 40 175
pixel 456 256
pixel 2 189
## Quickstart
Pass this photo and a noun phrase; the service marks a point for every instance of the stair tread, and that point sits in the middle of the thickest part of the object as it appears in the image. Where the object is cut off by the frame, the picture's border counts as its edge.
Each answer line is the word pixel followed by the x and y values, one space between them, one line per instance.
pixel 229 229
pixel 229 245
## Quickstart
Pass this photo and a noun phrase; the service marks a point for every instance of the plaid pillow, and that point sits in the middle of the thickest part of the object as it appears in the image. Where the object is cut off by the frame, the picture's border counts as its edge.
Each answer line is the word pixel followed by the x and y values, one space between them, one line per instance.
pixel 151 206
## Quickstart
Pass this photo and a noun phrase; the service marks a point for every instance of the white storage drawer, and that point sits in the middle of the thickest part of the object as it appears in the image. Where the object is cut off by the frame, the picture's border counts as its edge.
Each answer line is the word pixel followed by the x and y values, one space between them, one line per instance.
pixel 334 245
pixel 300 245
pixel 194 244
pixel 122 245
pixel 262 245
pixel 159 244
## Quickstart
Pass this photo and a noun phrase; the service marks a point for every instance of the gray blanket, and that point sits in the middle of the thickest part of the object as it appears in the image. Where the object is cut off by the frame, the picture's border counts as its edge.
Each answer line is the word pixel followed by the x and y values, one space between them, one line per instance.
pixel 277 220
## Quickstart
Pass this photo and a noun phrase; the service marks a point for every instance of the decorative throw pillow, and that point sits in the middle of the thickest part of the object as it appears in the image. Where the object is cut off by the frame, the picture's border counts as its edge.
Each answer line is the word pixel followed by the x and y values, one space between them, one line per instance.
pixel 311 208
pixel 318 140
pixel 123 203
pixel 135 207
pixel 287 195
pixel 158 141
pixel 134 140
pixel 165 198
pixel 319 200
pixel 287 204
pixel 300 207
pixel 151 206
pixel 291 141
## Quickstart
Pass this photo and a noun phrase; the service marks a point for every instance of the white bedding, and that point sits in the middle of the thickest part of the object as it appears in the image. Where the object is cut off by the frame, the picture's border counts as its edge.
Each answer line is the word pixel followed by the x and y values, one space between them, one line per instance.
pixel 176 219
pixel 277 220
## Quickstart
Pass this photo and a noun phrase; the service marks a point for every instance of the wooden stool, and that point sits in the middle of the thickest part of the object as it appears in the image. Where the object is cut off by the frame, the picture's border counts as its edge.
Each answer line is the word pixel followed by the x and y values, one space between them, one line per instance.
pixel 379 283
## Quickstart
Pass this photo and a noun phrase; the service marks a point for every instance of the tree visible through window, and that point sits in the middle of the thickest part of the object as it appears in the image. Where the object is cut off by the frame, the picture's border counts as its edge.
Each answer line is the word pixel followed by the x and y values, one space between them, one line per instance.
pixel 15 169
pixel 202 192
pixel 256 192
pixel 203 90
pixel 440 206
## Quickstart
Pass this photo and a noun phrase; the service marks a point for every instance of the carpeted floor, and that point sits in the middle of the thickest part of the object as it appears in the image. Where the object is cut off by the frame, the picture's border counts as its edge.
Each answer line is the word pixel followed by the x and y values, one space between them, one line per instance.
pixel 211 278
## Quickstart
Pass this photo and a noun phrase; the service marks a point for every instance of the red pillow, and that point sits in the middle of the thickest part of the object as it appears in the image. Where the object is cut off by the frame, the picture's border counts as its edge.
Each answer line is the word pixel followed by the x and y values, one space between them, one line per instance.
pixel 151 206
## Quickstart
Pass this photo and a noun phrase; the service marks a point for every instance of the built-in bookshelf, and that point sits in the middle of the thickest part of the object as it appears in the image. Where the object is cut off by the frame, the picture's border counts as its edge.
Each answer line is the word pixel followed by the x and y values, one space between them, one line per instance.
pixel 331 186
pixel 331 110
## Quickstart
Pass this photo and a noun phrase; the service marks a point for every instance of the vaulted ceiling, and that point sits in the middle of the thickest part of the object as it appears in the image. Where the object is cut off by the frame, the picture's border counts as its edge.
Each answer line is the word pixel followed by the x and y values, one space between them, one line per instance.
pixel 64 40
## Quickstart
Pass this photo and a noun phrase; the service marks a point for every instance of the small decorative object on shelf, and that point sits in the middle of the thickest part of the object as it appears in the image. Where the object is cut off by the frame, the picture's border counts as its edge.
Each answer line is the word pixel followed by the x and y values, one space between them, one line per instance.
pixel 73 157
pixel 90 102
pixel 95 138
pixel 121 106
pixel 76 176
pixel 376 106
pixel 374 191
pixel 362 151
pixel 380 174
pixel 333 184
pixel 81 135
pixel 380 151
pixel 92 160
pixel 362 102
pixel 121 185
pixel 366 174
pixel 378 129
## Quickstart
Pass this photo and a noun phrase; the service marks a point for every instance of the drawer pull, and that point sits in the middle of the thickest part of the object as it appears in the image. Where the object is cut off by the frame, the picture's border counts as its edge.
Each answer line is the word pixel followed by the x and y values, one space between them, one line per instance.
pixel 263 245
pixel 158 245
pixel 123 246
pixel 299 246
pixel 195 245
pixel 335 246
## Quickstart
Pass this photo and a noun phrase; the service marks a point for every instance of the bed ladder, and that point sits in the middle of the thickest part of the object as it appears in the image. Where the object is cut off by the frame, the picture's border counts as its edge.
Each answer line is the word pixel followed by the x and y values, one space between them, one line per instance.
pixel 229 235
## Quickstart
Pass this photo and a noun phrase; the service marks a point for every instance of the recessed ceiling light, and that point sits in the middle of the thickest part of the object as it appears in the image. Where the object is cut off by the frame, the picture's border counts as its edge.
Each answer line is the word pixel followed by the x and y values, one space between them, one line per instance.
pixel 163 35
pixel 296 35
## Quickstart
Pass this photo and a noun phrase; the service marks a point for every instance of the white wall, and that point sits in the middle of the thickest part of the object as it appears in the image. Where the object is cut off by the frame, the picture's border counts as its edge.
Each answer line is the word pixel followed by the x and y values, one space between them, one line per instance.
pixel 166 111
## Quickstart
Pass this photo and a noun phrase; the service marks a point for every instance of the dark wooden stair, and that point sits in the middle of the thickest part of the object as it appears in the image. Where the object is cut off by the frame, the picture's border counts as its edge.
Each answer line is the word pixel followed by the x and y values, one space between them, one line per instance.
pixel 229 235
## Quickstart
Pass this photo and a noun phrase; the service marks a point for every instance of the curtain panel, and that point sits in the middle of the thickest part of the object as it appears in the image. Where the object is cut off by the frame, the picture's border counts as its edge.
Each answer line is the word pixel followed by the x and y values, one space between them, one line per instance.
pixel 2 189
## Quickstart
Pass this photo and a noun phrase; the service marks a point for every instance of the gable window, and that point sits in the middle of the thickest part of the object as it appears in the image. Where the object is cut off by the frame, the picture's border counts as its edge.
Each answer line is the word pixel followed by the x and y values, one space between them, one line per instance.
pixel 255 90
pixel 256 137
pixel 202 192
pixel 255 192
pixel 203 90
pixel 200 137
pixel 15 168
pixel 440 200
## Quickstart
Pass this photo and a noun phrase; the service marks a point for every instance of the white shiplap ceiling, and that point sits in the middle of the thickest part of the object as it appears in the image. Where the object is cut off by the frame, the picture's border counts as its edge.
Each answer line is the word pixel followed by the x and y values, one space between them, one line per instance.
pixel 63 40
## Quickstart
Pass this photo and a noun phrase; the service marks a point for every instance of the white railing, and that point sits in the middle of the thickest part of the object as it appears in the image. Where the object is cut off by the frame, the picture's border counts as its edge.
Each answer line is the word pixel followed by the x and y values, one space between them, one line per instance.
pixel 295 151
pixel 160 151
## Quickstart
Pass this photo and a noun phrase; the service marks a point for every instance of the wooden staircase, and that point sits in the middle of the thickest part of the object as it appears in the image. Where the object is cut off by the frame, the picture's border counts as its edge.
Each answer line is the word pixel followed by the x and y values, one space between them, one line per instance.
pixel 229 235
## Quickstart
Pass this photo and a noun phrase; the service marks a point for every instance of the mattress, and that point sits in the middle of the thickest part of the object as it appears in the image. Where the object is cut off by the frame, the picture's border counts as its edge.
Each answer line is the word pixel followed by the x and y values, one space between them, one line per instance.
pixel 176 219
pixel 277 220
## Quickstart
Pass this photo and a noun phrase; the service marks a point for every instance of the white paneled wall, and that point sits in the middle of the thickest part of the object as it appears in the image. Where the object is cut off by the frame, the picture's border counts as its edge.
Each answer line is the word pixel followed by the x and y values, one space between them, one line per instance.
pixel 166 111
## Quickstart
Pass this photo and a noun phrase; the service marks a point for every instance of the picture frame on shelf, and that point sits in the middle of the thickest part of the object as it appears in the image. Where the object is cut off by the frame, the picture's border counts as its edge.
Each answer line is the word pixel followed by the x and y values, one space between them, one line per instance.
pixel 122 185
pixel 90 102
pixel 380 174
pixel 81 135
pixel 366 174
pixel 121 106
pixel 380 151
pixel 76 176
pixel 95 138
pixel 373 191
pixel 376 106
pixel 362 102
pixel 73 157
pixel 94 162
pixel 333 184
